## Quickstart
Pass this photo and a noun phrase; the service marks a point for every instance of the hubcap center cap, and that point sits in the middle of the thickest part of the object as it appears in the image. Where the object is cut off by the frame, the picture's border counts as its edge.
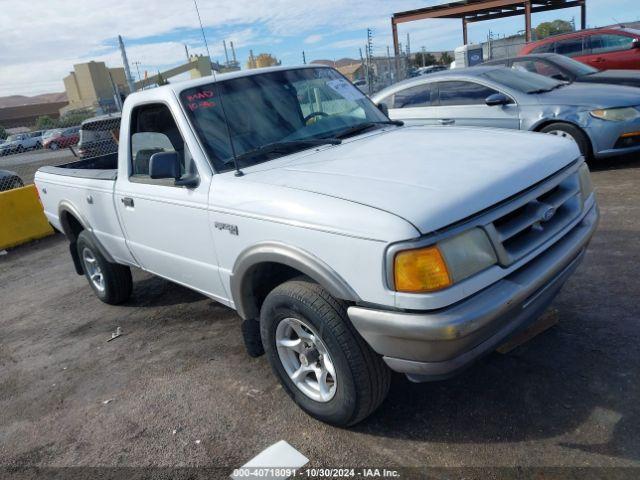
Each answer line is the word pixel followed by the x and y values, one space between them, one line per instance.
pixel 309 357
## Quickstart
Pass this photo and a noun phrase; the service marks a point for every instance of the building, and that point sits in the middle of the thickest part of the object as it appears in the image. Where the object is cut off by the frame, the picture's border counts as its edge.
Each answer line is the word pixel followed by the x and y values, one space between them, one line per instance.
pixel 355 71
pixel 93 86
pixel 26 115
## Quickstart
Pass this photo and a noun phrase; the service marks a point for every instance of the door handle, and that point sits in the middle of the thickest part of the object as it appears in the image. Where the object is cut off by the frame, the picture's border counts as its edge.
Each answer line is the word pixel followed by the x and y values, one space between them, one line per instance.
pixel 128 201
pixel 446 121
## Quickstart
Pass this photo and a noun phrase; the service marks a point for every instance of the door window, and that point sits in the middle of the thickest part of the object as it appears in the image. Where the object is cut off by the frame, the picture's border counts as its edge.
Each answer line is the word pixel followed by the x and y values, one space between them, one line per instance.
pixel 606 42
pixel 153 130
pixel 545 48
pixel 569 47
pixel 413 97
pixel 463 93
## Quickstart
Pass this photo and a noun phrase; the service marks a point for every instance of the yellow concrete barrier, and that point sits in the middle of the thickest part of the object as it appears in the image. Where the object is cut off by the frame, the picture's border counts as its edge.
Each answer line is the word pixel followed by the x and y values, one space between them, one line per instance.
pixel 21 217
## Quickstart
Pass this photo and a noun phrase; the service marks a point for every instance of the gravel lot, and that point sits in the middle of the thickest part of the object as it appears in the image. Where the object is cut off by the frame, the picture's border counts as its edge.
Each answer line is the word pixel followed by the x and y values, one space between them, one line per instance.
pixel 569 397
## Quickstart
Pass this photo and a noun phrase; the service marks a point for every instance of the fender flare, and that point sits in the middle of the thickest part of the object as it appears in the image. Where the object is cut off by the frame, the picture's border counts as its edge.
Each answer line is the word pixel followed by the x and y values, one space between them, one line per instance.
pixel 276 252
pixel 66 208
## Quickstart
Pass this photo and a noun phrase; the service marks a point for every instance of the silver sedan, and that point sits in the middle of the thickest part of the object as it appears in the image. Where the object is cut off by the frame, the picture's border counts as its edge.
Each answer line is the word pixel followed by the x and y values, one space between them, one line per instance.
pixel 603 120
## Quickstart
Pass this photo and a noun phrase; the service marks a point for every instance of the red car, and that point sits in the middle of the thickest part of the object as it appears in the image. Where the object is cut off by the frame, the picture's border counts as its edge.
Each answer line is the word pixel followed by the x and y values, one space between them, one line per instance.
pixel 65 137
pixel 616 48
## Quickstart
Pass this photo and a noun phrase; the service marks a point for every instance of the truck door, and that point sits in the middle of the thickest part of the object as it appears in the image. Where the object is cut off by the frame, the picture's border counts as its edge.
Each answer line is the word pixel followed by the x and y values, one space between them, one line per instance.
pixel 166 226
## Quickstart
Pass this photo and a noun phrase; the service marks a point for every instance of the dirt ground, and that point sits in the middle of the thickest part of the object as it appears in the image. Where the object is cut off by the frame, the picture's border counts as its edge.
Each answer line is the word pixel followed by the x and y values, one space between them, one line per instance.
pixel 177 389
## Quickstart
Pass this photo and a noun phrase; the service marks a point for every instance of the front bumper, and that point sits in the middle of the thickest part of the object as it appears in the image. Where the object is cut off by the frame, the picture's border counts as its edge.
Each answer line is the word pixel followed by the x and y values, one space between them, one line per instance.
pixel 437 344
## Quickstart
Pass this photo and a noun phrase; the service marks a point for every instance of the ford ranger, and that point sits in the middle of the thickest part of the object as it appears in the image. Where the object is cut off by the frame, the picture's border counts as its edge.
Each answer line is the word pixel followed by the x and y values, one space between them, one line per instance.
pixel 350 245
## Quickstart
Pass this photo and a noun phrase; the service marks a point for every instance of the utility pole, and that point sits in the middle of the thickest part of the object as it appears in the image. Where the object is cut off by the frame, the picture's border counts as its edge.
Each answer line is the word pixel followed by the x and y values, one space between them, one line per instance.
pixel 186 51
pixel 226 54
pixel 389 63
pixel 304 58
pixel 233 53
pixel 137 64
pixel 127 71
pixel 408 46
pixel 369 57
pixel 424 53
pixel 202 29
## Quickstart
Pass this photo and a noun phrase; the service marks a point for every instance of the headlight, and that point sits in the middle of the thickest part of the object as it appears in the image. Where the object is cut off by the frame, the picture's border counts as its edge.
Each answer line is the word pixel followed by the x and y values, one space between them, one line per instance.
pixel 439 266
pixel 586 187
pixel 616 114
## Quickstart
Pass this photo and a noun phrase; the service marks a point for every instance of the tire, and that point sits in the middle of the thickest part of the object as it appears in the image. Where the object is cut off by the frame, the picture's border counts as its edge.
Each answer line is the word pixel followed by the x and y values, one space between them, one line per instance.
pixel 20 149
pixel 16 183
pixel 54 146
pixel 570 131
pixel 360 379
pixel 115 285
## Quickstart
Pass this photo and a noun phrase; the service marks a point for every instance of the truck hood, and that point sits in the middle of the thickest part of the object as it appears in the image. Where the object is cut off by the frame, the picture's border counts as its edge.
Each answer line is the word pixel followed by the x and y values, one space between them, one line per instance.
pixel 429 176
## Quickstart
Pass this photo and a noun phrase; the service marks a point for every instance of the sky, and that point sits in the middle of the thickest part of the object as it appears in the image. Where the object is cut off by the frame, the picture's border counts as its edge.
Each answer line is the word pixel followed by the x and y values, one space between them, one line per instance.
pixel 37 51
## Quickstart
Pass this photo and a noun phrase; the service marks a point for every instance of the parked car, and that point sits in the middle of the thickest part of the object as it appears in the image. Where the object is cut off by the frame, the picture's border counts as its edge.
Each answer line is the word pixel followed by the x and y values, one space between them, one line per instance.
pixel 21 142
pixel 98 136
pixel 350 245
pixel 602 48
pixel 567 69
pixel 62 138
pixel 603 120
pixel 431 69
pixel 9 180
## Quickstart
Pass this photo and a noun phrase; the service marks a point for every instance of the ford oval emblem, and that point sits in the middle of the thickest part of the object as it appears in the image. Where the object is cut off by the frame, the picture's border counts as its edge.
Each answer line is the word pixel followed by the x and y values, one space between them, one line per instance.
pixel 548 214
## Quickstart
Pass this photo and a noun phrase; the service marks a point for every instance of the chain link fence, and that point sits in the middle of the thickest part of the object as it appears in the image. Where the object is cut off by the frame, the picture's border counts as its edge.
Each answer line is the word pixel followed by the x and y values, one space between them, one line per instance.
pixel 96 137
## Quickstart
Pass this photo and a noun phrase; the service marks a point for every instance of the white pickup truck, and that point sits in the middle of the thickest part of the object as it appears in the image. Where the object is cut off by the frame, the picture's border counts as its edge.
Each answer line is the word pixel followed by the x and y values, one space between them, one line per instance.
pixel 350 245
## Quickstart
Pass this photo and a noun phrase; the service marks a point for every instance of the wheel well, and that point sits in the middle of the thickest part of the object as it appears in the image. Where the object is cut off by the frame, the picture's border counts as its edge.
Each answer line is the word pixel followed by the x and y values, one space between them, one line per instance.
pixel 71 226
pixel 261 279
pixel 549 122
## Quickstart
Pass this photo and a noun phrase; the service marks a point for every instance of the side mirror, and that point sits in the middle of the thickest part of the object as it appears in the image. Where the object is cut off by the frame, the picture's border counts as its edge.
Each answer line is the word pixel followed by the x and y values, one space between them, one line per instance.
pixel 383 108
pixel 635 43
pixel 164 165
pixel 497 99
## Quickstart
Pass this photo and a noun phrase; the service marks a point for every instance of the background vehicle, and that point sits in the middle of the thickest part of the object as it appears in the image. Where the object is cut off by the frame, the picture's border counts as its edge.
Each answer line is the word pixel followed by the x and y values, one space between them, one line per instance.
pixel 279 215
pixel 62 138
pixel 567 69
pixel 603 120
pixel 21 142
pixel 9 180
pixel 97 136
pixel 431 69
pixel 602 48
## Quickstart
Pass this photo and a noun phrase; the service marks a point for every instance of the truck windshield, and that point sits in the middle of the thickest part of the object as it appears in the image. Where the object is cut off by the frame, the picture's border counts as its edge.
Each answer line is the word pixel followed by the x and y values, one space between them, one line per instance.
pixel 292 107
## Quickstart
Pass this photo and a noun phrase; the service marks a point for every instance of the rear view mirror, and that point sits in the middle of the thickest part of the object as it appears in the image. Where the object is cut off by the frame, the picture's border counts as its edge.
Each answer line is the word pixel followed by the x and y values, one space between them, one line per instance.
pixel 164 165
pixel 383 108
pixel 497 99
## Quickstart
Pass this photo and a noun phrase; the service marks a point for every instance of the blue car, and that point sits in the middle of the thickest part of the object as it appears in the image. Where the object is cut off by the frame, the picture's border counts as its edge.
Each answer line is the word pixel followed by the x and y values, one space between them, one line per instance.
pixel 604 120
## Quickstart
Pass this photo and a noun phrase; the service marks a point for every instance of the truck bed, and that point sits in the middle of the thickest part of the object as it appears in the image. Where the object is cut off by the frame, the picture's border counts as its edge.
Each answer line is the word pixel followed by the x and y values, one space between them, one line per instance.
pixel 104 167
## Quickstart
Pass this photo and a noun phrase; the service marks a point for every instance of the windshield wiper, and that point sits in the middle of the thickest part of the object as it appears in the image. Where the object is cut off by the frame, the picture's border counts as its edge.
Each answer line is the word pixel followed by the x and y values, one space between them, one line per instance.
pixel 361 127
pixel 286 145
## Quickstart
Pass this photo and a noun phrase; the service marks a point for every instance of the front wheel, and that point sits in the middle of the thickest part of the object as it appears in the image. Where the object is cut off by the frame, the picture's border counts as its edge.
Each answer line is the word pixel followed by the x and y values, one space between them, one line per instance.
pixel 110 282
pixel 54 146
pixel 571 132
pixel 320 359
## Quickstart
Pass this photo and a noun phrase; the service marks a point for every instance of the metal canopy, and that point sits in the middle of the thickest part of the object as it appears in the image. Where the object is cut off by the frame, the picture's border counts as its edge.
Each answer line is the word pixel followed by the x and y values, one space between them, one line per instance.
pixel 470 11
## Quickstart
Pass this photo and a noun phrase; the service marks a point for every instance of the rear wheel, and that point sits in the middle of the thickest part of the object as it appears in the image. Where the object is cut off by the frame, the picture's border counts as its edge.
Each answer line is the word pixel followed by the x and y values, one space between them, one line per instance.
pixel 54 146
pixel 571 132
pixel 110 282
pixel 320 359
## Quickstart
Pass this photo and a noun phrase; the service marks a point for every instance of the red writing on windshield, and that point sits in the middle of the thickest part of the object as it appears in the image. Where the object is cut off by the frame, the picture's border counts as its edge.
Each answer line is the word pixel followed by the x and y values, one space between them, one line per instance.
pixel 200 96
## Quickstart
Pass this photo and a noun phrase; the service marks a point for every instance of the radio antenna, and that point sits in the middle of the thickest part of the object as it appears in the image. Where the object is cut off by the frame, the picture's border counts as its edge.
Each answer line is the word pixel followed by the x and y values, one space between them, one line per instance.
pixel 226 122
pixel 219 95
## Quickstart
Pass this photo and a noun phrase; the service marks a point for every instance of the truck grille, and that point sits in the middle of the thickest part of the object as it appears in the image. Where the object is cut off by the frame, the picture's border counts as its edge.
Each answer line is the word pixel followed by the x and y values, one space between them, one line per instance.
pixel 537 217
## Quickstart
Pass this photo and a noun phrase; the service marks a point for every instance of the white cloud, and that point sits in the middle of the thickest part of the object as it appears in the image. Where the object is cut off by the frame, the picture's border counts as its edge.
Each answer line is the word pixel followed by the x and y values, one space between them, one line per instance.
pixel 315 38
